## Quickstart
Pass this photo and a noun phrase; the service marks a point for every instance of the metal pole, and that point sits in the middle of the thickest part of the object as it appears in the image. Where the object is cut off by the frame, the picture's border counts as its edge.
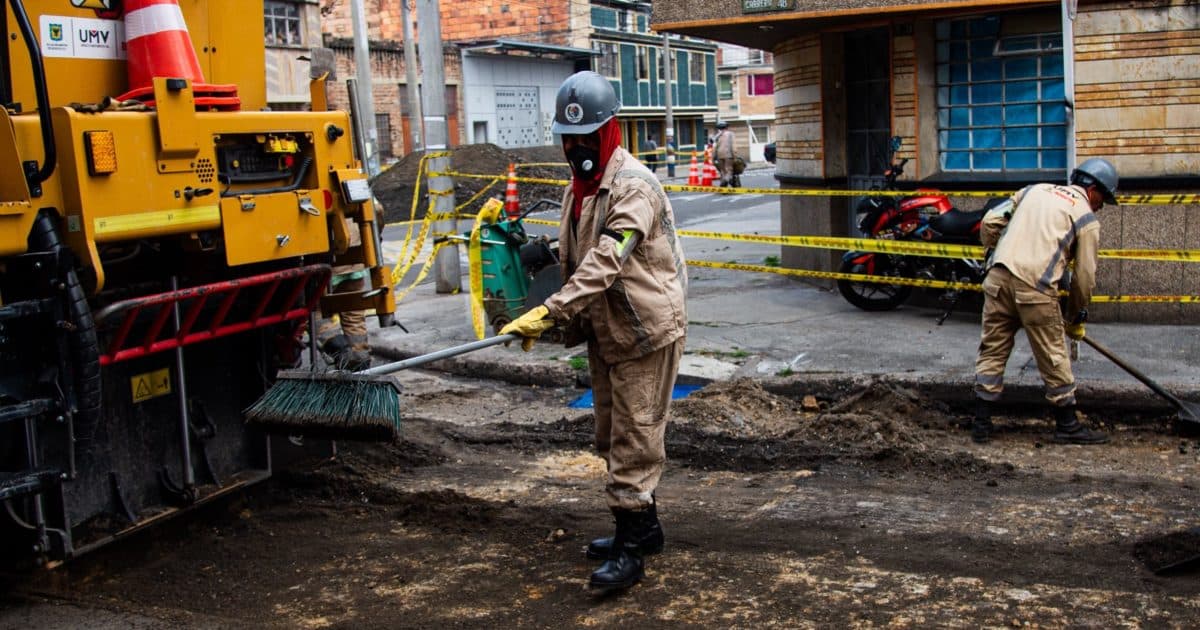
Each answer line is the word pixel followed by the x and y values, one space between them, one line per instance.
pixel 366 98
pixel 410 78
pixel 668 71
pixel 185 434
pixel 1068 35
pixel 447 275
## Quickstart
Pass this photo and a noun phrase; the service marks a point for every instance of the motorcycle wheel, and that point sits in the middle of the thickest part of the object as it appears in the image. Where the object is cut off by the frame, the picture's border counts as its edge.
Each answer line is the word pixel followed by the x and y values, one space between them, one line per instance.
pixel 873 296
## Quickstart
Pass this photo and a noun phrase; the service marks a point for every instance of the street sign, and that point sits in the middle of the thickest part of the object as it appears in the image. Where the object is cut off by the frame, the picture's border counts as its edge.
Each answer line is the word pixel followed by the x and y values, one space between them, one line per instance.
pixel 762 6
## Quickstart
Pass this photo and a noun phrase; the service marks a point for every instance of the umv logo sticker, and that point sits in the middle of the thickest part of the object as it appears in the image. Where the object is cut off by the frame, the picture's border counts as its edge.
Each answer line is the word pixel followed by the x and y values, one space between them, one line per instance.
pixel 82 38
pixel 94 36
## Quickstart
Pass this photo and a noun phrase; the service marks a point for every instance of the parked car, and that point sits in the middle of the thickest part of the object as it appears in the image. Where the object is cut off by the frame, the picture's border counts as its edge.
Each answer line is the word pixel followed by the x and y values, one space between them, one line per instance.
pixel 769 152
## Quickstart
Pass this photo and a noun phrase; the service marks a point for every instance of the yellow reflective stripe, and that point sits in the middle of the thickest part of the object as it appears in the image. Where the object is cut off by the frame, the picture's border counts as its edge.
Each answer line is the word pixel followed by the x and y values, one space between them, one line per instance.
pixel 625 236
pixel 158 219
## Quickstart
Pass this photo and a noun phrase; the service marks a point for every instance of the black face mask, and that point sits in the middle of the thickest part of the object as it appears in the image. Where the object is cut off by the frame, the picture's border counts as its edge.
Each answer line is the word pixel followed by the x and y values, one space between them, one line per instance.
pixel 584 161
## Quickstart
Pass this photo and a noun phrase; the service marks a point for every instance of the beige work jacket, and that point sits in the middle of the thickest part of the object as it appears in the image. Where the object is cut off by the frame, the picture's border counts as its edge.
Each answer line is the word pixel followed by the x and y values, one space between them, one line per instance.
pixel 723 146
pixel 629 302
pixel 1050 226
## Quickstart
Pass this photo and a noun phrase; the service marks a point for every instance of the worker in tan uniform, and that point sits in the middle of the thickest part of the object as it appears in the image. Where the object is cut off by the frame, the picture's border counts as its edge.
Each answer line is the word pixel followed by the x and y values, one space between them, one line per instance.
pixel 344 341
pixel 1036 235
pixel 624 286
pixel 723 153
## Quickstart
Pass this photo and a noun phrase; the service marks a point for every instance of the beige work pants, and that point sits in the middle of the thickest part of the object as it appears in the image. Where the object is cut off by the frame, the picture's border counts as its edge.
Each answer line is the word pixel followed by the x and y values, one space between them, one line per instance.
pixel 353 323
pixel 1010 304
pixel 725 168
pixel 631 400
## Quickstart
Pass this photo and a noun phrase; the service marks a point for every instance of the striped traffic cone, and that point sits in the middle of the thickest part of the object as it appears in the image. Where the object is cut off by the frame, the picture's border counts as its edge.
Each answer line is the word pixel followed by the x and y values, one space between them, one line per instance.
pixel 512 203
pixel 706 178
pixel 158 45
pixel 694 172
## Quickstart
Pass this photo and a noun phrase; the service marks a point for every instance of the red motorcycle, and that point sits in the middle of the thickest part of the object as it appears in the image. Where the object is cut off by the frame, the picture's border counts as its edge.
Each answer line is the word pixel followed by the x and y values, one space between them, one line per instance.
pixel 926 216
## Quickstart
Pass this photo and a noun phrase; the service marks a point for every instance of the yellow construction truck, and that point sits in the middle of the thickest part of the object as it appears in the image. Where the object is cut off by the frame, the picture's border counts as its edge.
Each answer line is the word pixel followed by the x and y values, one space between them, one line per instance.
pixel 164 242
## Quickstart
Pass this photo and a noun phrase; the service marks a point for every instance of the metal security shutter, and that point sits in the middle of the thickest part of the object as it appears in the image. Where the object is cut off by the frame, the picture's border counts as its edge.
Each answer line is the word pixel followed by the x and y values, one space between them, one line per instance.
pixel 517 116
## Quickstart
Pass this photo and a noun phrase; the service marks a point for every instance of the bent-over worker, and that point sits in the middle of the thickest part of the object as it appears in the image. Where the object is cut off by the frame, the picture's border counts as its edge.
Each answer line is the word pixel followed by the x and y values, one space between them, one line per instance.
pixel 1042 229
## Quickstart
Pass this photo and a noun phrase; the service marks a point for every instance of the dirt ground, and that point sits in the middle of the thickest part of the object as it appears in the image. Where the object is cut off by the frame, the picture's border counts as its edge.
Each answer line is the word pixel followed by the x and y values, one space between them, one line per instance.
pixel 394 187
pixel 869 509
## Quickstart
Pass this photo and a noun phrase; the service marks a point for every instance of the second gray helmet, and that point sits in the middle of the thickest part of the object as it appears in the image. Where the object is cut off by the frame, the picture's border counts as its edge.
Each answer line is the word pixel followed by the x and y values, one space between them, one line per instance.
pixel 1097 171
pixel 585 101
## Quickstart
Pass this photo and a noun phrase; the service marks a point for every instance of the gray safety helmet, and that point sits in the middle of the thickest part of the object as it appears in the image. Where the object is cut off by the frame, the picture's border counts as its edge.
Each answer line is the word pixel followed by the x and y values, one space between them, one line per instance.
pixel 1100 172
pixel 722 124
pixel 585 101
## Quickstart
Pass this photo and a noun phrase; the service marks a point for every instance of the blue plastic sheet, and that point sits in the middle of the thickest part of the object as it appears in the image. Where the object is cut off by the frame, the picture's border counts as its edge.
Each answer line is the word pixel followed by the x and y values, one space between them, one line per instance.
pixel 585 401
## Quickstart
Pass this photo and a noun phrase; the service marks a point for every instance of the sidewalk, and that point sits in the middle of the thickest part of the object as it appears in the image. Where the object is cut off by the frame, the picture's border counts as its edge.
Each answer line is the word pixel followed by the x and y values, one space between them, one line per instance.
pixel 800 339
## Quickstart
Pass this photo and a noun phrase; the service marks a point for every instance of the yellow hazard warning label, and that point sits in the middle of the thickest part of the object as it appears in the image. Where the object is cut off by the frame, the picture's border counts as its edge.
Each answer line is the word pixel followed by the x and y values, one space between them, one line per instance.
pixel 151 385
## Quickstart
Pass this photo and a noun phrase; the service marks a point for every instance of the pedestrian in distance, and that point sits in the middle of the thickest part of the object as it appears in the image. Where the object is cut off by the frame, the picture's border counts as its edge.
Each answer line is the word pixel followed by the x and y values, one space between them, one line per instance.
pixel 723 152
pixel 651 153
pixel 624 284
pixel 1036 234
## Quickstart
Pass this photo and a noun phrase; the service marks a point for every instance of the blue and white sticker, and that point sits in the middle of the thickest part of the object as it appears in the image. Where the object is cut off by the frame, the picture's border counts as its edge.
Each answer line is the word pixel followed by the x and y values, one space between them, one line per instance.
pixel 573 113
pixel 82 38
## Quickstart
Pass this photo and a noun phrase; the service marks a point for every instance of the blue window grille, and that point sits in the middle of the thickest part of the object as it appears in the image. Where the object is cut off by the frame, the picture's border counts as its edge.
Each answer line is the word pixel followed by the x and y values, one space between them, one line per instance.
pixel 999 98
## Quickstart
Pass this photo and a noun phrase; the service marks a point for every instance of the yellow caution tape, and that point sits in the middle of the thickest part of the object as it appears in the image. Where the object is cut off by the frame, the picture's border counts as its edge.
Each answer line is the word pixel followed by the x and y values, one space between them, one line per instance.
pixel 534 164
pixel 402 268
pixel 1169 255
pixel 909 248
pixel 1160 199
pixel 927 284
pixel 835 275
pixel 477 195
pixel 424 271
pixel 489 213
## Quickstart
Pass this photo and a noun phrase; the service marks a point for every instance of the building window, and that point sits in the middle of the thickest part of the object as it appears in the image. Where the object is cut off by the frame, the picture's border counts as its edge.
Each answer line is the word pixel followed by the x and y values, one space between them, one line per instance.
pixel 724 87
pixel 756 57
pixel 623 21
pixel 761 85
pixel 999 98
pixel 643 62
pixel 604 18
pixel 282 24
pixel 687 136
pixel 696 67
pixel 383 131
pixel 608 63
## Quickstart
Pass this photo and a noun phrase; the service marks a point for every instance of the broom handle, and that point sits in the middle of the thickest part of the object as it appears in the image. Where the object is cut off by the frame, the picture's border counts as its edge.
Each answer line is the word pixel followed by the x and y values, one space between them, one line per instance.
pixel 388 368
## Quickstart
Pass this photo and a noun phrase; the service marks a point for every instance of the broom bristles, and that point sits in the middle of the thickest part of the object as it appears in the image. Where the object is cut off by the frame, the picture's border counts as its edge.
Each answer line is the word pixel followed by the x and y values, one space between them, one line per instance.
pixel 330 405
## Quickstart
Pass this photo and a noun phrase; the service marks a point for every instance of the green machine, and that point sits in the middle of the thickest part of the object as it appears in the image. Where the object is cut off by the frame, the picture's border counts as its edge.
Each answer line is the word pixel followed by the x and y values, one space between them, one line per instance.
pixel 518 271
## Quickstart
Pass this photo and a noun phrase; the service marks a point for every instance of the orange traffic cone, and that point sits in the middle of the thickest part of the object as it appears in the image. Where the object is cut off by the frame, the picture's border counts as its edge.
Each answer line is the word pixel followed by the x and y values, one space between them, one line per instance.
pixel 512 203
pixel 693 172
pixel 158 45
pixel 706 178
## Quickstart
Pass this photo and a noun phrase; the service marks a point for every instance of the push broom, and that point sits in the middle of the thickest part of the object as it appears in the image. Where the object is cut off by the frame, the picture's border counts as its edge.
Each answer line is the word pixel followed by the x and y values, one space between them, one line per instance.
pixel 362 405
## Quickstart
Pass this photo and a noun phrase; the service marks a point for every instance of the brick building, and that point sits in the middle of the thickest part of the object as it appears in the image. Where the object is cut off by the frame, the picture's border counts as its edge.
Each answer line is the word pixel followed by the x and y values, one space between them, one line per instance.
pixel 505 60
pixel 981 96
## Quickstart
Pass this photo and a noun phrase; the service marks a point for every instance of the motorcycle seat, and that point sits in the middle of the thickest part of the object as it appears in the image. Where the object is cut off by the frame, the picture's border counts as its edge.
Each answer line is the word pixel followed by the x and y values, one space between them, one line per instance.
pixel 956 222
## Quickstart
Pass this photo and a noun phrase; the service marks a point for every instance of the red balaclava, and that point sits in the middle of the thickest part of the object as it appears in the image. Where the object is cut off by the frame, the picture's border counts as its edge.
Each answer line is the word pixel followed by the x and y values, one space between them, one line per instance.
pixel 610 139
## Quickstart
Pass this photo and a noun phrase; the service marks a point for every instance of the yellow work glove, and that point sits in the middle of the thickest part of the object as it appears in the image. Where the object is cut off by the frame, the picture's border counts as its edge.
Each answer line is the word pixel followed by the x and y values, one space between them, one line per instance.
pixel 531 325
pixel 1075 331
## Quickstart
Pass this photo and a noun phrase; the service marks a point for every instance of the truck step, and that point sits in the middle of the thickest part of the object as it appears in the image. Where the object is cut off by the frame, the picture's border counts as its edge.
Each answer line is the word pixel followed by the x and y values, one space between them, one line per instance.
pixel 28 482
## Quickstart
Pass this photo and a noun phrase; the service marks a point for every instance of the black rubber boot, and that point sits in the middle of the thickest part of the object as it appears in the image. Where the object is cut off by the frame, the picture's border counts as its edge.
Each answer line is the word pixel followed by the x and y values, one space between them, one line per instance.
pixel 1069 430
pixel 624 566
pixel 650 543
pixel 981 427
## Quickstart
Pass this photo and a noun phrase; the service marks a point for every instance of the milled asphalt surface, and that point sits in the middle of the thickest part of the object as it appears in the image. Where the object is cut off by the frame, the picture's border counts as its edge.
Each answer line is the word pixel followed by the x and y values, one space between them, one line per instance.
pixel 797 338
